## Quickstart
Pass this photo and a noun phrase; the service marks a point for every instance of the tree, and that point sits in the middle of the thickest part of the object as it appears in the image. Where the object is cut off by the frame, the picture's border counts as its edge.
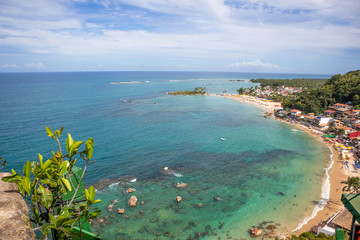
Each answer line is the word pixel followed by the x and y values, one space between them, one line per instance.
pixel 353 185
pixel 199 90
pixel 241 90
pixel 50 180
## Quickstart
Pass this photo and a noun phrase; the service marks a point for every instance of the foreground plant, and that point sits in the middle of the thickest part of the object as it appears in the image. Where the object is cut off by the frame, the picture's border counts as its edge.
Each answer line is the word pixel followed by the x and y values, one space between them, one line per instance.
pixel 44 184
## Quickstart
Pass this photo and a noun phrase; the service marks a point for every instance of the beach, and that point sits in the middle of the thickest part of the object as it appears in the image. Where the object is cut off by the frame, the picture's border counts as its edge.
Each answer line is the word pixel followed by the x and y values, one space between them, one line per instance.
pixel 335 177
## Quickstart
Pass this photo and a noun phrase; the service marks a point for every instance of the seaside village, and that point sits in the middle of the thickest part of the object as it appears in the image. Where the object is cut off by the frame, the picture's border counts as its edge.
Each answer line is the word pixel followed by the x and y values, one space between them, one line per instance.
pixel 339 126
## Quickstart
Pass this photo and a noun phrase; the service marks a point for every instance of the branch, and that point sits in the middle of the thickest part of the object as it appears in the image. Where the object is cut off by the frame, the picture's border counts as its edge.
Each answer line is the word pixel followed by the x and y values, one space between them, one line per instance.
pixel 82 176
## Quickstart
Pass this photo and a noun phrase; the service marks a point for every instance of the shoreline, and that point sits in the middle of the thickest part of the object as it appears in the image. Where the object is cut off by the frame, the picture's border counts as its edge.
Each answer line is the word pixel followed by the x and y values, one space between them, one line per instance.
pixel 334 176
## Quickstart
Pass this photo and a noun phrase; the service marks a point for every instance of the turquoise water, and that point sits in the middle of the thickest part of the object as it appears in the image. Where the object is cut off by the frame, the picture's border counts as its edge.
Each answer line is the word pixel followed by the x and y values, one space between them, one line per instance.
pixel 262 172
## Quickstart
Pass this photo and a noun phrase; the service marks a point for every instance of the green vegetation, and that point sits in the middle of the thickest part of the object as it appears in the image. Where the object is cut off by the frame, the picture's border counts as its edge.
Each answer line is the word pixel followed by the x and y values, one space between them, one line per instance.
pixel 311 236
pixel 50 182
pixel 339 88
pixel 196 91
pixel 295 82
pixel 353 185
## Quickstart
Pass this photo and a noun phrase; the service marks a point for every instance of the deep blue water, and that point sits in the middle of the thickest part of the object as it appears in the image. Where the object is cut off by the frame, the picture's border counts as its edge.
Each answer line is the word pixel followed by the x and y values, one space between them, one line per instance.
pixel 138 129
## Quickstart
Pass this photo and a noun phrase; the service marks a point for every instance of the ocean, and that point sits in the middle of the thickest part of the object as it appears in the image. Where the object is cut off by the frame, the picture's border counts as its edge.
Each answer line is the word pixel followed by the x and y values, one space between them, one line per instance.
pixel 263 173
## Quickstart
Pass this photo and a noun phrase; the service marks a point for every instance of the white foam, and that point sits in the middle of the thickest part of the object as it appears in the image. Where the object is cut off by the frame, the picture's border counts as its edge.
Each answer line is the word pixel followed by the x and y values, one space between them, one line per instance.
pixel 114 184
pixel 166 168
pixel 178 174
pixel 325 195
pixel 133 180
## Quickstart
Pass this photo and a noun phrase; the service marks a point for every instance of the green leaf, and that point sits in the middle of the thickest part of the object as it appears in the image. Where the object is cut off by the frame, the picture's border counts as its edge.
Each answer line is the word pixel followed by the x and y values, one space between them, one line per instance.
pixel 41 160
pixel 47 164
pixel 75 146
pixel 26 184
pixel 50 133
pixel 58 132
pixel 94 214
pixel 52 219
pixel 69 142
pixel 71 233
pixel 64 167
pixel 89 148
pixel 12 178
pixel 91 193
pixel 97 201
pixel 27 169
pixel 66 183
pixel 45 229
pixel 46 198
pixel 13 171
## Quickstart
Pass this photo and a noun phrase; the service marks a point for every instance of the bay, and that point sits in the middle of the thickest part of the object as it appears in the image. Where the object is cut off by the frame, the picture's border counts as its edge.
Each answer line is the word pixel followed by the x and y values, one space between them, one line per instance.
pixel 262 171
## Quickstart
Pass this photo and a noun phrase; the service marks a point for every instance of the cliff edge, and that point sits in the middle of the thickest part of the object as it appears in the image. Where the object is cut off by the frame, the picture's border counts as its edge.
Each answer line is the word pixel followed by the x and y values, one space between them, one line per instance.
pixel 14 213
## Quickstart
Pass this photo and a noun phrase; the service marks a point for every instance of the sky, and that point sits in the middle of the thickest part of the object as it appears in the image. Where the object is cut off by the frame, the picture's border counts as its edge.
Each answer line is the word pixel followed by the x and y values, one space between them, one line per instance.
pixel 282 36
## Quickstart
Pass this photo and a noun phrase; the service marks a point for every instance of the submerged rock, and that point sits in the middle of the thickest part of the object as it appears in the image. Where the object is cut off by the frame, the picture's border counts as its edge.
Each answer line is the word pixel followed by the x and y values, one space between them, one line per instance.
pixel 130 190
pixel 181 185
pixel 120 211
pixel 132 201
pixel 178 199
pixel 271 227
pixel 255 232
pixel 115 201
pixel 200 205
pixel 217 198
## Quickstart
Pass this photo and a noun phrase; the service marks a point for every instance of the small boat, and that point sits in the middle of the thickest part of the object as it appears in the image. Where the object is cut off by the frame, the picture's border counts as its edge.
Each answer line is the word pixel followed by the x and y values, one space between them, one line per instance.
pixel 222 139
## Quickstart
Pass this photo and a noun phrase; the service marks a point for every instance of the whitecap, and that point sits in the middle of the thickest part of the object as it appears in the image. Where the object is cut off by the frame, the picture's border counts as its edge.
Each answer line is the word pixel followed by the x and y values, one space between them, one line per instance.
pixel 133 180
pixel 178 174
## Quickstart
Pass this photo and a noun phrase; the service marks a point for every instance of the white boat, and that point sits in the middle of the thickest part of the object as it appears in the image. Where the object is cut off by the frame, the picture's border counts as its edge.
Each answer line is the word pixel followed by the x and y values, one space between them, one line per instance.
pixel 222 139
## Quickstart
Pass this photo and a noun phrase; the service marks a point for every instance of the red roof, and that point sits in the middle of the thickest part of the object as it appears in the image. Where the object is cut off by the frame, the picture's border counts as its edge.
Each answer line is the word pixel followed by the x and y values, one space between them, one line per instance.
pixel 340 104
pixel 330 111
pixel 295 110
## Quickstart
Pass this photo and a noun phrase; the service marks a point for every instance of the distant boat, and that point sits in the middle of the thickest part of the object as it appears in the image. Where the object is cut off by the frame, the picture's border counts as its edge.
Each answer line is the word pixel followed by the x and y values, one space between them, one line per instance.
pixel 222 139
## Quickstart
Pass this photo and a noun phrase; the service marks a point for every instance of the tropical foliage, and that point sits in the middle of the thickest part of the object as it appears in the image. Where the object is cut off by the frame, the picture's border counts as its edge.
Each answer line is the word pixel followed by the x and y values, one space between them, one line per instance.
pixel 43 185
pixel 196 91
pixel 339 88
pixel 295 82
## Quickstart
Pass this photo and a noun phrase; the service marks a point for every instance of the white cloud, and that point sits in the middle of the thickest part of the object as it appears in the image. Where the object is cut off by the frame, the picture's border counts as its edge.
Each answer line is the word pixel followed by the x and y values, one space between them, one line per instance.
pixel 9 66
pixel 256 63
pixel 38 65
pixel 199 31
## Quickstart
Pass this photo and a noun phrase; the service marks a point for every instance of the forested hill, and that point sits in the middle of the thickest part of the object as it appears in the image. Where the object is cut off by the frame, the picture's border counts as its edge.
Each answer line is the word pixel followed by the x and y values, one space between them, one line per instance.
pixel 295 82
pixel 338 89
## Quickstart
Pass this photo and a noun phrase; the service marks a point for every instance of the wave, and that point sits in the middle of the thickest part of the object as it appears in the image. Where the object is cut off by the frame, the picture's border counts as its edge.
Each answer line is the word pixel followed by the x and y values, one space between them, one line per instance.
pixel 325 195
pixel 191 79
pixel 178 174
pixel 131 82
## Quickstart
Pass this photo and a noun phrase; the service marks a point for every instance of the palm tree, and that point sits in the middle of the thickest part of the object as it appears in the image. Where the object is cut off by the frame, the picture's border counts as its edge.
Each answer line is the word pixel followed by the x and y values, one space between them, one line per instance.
pixel 353 185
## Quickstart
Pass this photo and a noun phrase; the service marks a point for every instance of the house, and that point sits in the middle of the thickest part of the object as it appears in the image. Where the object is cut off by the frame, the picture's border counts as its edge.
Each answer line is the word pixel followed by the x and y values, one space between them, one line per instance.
pixel 297 89
pixel 295 112
pixel 347 130
pixel 353 135
pixel 330 112
pixel 356 112
pixel 340 105
pixel 277 108
pixel 322 121
pixel 283 113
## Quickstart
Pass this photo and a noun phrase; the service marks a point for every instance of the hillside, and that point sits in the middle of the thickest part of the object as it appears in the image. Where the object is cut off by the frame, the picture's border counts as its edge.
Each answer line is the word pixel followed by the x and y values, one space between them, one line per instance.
pixel 338 89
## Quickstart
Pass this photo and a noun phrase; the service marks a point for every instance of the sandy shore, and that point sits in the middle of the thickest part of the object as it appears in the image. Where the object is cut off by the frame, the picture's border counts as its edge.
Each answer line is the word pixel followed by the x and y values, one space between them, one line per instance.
pixel 337 173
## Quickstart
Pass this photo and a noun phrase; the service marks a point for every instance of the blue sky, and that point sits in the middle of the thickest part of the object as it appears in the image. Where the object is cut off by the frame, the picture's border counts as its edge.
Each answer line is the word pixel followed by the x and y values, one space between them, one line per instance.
pixel 297 36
